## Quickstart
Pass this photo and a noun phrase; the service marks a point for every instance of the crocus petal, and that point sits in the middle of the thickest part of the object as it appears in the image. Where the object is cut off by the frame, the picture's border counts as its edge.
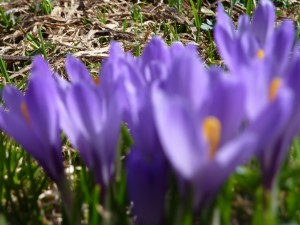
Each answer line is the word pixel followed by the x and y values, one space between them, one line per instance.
pixel 188 78
pixel 272 149
pixel 155 71
pixel 293 78
pixel 13 99
pixel 224 43
pixel 63 84
pixel 110 136
pixel 233 154
pixel 281 45
pixel 9 122
pixel 111 68
pixel 39 66
pixel 243 24
pixel 147 185
pixel 180 136
pixel 143 128
pixel 115 51
pixel 249 46
pixel 297 48
pixel 77 71
pixel 263 21
pixel 79 101
pixel 41 103
pixel 224 21
pixel 176 48
pixel 226 102
pixel 231 49
pixel 156 50
pixel 257 86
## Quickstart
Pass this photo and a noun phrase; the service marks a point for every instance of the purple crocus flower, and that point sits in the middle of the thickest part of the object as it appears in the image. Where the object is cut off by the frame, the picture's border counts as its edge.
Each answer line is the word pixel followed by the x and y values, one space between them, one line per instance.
pixel 274 152
pixel 77 72
pixel 205 138
pixel 125 75
pixel 117 79
pixel 147 185
pixel 260 56
pixel 90 120
pixel 146 167
pixel 255 41
pixel 32 119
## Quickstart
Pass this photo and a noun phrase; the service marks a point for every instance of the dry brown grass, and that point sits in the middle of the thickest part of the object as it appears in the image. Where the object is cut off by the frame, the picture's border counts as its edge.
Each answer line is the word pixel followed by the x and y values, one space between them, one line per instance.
pixel 74 27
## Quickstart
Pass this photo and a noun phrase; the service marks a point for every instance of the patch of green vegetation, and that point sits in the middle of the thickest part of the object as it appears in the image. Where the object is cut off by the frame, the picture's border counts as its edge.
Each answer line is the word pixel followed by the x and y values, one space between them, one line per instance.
pixel 38 44
pixel 7 20
pixel 43 8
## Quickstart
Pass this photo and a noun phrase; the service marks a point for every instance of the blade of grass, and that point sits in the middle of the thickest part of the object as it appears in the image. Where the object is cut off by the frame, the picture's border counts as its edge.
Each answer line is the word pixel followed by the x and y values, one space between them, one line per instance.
pixel 3 70
pixel 197 19
pixel 42 43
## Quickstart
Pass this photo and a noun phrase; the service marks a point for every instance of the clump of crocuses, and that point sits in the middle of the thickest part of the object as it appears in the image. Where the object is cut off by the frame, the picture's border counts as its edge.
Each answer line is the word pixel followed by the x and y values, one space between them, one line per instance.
pixel 190 123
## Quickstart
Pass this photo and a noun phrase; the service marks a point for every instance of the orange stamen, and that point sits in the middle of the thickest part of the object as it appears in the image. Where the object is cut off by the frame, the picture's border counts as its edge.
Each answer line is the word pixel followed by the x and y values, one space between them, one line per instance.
pixel 274 88
pixel 96 80
pixel 260 54
pixel 25 112
pixel 212 133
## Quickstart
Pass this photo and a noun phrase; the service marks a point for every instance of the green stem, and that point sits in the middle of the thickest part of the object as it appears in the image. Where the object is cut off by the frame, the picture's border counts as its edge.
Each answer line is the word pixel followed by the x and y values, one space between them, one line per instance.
pixel 270 205
pixel 66 194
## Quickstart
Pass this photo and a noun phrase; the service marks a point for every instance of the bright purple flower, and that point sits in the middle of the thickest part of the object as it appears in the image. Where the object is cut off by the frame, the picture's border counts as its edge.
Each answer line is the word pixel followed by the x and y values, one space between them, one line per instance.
pixel 255 41
pixel 147 170
pixel 256 53
pixel 260 56
pixel 146 167
pixel 274 152
pixel 118 79
pixel 91 121
pixel 32 119
pixel 263 21
pixel 131 79
pixel 125 75
pixel 77 72
pixel 207 138
pixel 147 181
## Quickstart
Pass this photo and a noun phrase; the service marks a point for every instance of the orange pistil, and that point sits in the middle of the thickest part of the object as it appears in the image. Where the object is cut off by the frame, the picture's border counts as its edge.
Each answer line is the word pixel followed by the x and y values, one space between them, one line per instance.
pixel 212 132
pixel 96 80
pixel 274 87
pixel 260 54
pixel 25 112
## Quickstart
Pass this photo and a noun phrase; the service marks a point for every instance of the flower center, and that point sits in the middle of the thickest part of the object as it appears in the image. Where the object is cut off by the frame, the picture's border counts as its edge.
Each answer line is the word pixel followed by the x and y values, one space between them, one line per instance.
pixel 260 54
pixel 274 87
pixel 96 80
pixel 25 112
pixel 212 132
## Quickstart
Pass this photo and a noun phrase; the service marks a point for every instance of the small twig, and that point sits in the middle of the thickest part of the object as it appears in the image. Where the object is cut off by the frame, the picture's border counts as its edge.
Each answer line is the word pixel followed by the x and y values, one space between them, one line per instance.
pixel 15 58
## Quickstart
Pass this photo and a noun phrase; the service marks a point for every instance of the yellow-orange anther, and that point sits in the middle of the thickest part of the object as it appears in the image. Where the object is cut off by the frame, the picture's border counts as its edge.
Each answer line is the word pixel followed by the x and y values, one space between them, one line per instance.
pixel 212 132
pixel 274 87
pixel 260 54
pixel 25 112
pixel 96 80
